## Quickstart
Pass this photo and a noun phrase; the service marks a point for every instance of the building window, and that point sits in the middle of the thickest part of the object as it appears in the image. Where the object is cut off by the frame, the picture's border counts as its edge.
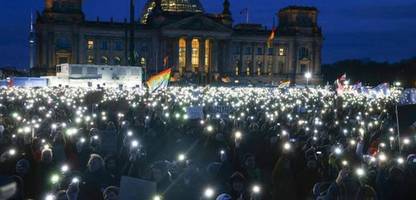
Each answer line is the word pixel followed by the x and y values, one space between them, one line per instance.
pixel 182 55
pixel 248 51
pixel 281 67
pixel 303 68
pixel 259 65
pixel 248 71
pixel 207 55
pixel 90 59
pixel 270 51
pixel 104 60
pixel 195 55
pixel 303 53
pixel 104 45
pixel 90 45
pixel 118 45
pixel 259 51
pixel 237 67
pixel 117 61
pixel 63 43
pixel 236 50
pixel 58 69
pixel 62 60
pixel 282 52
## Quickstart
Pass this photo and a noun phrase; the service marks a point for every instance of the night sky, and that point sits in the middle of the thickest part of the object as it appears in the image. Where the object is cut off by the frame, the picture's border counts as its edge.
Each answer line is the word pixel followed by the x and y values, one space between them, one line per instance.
pixel 382 30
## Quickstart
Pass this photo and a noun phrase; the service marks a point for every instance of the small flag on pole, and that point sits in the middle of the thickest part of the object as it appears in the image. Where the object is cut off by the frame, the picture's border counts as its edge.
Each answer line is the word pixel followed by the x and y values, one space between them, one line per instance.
pixel 245 12
pixel 159 81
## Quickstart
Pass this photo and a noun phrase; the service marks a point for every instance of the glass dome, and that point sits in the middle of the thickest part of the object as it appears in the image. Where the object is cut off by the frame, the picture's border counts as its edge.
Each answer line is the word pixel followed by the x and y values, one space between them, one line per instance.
pixel 190 6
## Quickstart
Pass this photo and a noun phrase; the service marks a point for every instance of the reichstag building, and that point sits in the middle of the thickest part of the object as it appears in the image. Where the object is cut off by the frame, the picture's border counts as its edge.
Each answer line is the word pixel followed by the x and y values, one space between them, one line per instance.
pixel 200 46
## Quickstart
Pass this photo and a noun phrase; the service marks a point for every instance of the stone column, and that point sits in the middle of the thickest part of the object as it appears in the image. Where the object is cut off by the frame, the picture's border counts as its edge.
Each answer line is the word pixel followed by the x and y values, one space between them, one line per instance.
pixel 293 59
pixel 241 67
pixel 275 65
pixel 317 57
pixel 214 57
pixel 228 58
pixel 201 65
pixel 188 55
pixel 253 61
pixel 265 58
pixel 175 54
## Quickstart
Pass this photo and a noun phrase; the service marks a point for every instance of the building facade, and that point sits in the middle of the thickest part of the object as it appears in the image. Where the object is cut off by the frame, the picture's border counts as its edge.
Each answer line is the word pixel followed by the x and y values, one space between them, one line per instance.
pixel 199 46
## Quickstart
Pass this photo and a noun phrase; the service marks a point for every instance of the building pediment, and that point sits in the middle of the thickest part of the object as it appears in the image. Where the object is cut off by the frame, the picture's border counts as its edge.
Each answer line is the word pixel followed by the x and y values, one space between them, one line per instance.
pixel 197 23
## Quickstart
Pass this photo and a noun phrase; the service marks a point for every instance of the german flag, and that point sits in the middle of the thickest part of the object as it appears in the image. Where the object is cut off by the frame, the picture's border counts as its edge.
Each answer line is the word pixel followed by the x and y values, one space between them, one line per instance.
pixel 159 81
pixel 271 38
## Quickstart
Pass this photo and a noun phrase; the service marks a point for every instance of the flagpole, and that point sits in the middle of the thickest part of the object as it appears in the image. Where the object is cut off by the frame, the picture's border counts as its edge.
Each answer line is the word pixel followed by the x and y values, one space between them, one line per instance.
pixel 247 16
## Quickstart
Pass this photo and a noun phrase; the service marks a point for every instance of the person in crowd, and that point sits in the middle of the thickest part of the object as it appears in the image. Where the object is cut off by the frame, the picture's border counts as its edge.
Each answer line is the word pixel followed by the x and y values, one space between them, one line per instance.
pixel 245 143
pixel 111 193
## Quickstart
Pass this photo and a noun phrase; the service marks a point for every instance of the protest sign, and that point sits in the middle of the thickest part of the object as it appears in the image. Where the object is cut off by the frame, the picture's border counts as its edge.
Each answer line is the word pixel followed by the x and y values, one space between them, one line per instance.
pixel 222 110
pixel 134 188
pixel 195 112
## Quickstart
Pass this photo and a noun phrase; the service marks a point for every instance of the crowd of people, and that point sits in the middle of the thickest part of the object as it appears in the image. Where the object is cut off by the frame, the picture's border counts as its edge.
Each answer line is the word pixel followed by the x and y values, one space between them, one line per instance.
pixel 223 143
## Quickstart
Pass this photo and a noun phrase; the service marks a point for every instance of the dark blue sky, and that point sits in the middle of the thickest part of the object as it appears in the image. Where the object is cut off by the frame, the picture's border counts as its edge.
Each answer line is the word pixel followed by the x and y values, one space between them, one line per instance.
pixel 383 30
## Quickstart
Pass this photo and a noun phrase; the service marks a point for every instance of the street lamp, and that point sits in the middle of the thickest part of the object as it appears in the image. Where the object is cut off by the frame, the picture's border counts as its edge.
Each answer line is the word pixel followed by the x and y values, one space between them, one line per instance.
pixel 308 75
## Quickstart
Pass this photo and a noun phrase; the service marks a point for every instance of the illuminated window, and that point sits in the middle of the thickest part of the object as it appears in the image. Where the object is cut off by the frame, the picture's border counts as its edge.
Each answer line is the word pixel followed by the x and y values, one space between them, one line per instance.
pixel 90 44
pixel 143 61
pixel 282 52
pixel 195 54
pixel 259 65
pixel 90 59
pixel 248 71
pixel 207 55
pixel 104 60
pixel 182 55
pixel 237 67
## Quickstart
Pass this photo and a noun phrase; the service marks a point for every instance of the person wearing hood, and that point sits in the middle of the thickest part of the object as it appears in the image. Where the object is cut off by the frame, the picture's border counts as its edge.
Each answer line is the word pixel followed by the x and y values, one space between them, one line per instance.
pixel 25 172
pixel 238 184
pixel 160 175
pixel 43 170
pixel 95 178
